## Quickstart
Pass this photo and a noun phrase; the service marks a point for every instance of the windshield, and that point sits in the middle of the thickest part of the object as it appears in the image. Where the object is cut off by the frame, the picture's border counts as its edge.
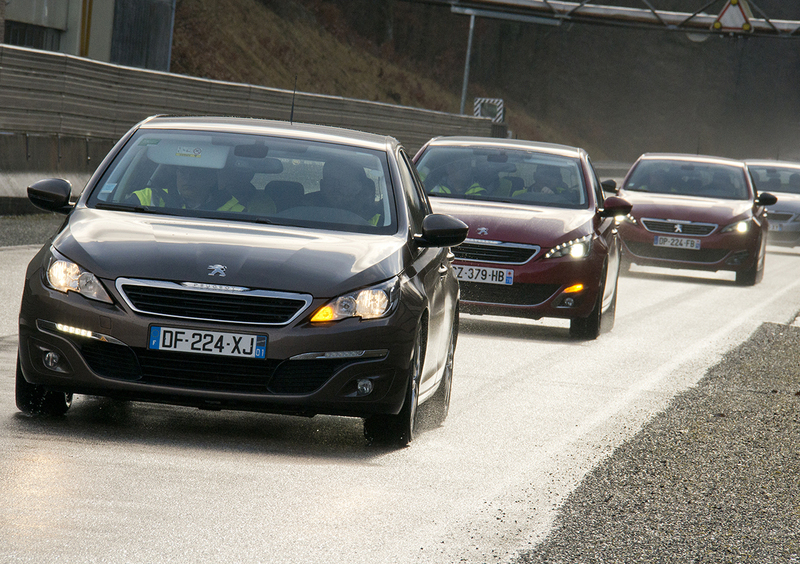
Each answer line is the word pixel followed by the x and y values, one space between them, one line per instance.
pixel 688 179
pixel 775 179
pixel 503 175
pixel 250 178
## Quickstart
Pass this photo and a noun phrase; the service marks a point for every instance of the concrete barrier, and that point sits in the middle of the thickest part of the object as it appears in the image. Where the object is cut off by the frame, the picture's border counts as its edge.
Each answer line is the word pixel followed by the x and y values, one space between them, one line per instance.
pixel 60 114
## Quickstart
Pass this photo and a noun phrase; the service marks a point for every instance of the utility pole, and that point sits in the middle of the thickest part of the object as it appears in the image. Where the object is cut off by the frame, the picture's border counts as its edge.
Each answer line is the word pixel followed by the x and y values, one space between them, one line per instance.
pixel 466 63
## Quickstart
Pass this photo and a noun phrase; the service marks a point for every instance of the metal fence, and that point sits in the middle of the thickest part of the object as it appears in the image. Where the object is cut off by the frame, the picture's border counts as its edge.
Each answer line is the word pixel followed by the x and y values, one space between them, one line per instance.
pixel 60 100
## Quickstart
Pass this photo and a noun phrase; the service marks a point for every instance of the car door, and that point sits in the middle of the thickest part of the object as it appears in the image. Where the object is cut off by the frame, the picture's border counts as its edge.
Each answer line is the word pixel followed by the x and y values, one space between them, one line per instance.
pixel 432 265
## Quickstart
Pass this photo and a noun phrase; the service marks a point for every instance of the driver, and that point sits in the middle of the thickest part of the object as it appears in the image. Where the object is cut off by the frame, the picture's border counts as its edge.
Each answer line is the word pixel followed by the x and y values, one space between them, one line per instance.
pixel 195 188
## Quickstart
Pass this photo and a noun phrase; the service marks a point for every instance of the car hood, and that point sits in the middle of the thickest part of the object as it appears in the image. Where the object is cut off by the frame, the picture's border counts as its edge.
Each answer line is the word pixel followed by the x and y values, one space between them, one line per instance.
pixel 536 225
pixel 687 208
pixel 786 202
pixel 114 244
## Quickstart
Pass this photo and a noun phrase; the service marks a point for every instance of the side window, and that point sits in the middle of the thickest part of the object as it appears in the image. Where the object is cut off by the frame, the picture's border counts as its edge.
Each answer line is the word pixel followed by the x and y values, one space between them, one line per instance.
pixel 417 203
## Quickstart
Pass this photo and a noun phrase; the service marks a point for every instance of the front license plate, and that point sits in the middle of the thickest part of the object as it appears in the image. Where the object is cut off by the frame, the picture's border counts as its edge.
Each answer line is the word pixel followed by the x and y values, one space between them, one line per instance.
pixel 677 242
pixel 484 275
pixel 207 342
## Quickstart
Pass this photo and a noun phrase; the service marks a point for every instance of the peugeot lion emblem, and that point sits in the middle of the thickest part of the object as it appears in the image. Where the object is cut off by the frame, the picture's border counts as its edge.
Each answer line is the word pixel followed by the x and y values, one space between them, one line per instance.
pixel 678 229
pixel 483 230
pixel 217 269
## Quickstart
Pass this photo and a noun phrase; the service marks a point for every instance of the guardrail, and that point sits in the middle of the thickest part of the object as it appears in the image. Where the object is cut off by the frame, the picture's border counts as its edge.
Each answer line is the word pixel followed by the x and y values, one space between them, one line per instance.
pixel 59 114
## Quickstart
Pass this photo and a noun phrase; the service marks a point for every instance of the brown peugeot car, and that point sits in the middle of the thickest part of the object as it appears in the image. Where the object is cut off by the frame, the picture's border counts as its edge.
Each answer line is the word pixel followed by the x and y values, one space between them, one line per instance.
pixel 245 264
pixel 695 212
pixel 543 238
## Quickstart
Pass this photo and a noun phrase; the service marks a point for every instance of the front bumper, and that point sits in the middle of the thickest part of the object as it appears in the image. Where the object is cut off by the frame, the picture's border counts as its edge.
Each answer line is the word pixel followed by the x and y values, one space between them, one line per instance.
pixel 718 251
pixel 784 233
pixel 538 290
pixel 104 351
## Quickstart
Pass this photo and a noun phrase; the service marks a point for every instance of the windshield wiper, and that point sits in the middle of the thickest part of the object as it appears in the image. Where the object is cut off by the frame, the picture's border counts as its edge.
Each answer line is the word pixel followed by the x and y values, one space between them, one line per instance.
pixel 123 207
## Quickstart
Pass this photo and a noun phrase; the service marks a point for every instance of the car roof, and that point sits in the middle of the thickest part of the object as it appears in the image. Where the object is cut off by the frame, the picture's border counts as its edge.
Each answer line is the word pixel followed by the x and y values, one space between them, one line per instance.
pixel 254 126
pixel 773 163
pixel 497 142
pixel 687 157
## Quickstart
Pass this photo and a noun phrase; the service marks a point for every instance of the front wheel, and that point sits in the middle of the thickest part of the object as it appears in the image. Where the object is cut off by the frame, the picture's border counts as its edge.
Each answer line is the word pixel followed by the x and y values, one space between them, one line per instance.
pixel 754 274
pixel 400 429
pixel 590 327
pixel 439 404
pixel 38 400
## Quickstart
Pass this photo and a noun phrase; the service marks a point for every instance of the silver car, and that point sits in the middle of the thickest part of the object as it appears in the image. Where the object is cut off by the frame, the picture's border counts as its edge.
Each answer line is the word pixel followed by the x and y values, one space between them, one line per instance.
pixel 783 179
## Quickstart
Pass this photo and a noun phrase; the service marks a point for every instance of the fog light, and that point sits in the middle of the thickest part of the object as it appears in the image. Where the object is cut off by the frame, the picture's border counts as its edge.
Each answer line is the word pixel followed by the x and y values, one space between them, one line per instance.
pixel 364 386
pixel 737 258
pixel 569 302
pixel 51 360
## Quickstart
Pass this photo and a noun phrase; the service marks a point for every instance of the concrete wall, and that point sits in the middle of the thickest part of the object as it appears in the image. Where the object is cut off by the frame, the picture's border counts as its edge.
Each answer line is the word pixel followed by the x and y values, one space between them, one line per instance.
pixel 60 114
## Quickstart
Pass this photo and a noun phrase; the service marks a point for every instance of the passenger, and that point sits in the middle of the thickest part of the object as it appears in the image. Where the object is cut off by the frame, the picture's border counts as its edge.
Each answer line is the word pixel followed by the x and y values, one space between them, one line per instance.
pixel 458 180
pixel 344 185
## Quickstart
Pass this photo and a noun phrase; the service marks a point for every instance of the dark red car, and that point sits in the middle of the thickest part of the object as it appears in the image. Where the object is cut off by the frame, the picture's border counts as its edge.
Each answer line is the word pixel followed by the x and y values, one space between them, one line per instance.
pixel 542 239
pixel 695 212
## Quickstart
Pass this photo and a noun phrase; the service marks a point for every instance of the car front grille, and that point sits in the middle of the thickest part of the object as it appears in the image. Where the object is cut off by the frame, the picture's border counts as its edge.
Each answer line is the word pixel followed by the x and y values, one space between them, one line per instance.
pixel 519 294
pixel 705 256
pixel 686 228
pixel 209 372
pixel 234 306
pixel 495 251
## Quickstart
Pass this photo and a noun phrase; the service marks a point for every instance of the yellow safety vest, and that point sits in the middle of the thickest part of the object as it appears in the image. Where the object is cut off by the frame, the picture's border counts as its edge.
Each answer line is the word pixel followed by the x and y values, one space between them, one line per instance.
pixel 475 188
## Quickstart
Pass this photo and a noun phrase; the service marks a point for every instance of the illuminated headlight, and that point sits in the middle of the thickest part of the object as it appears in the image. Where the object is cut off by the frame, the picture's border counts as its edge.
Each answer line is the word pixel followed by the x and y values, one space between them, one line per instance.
pixel 369 303
pixel 625 219
pixel 577 248
pixel 738 227
pixel 66 276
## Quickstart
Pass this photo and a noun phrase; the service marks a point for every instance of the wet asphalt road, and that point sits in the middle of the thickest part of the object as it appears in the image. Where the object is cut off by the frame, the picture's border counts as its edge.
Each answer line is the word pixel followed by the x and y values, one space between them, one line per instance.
pixel 715 477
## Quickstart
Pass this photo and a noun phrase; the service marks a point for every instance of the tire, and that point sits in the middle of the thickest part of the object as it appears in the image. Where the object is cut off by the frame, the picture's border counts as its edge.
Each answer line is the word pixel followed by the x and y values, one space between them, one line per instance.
pixel 400 429
pixel 33 399
pixel 609 316
pixel 439 404
pixel 754 274
pixel 588 328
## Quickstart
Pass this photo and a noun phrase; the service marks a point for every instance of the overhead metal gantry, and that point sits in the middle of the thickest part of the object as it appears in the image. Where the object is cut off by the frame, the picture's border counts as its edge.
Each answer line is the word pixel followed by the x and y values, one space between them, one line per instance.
pixel 733 18
pixel 702 20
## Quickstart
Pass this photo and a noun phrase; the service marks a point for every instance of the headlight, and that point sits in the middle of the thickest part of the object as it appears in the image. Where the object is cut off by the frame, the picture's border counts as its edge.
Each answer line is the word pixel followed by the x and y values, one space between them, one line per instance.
pixel 738 227
pixel 577 248
pixel 628 218
pixel 369 303
pixel 66 276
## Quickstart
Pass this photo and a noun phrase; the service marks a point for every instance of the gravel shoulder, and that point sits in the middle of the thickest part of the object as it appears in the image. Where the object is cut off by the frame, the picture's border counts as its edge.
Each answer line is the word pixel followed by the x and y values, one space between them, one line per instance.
pixel 714 478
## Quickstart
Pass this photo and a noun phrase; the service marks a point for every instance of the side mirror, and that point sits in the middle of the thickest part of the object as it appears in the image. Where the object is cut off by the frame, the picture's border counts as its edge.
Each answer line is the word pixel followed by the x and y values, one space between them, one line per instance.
pixel 51 194
pixel 615 206
pixel 765 199
pixel 440 230
pixel 609 185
